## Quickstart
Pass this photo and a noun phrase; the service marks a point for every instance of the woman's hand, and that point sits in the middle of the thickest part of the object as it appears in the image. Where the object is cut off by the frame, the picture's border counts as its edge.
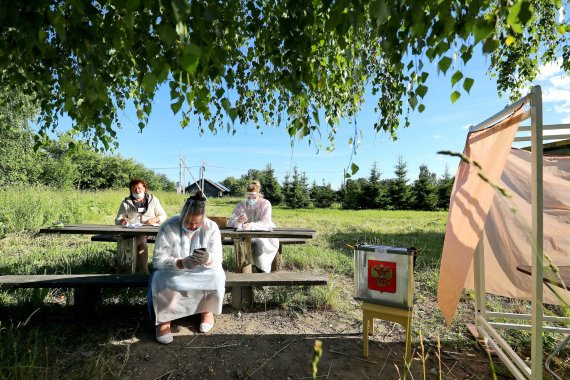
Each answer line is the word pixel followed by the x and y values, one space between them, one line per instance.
pixel 124 221
pixel 154 220
pixel 242 219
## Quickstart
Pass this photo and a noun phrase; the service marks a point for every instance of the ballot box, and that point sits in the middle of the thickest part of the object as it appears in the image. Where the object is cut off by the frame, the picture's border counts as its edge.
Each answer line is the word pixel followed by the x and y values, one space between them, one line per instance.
pixel 384 275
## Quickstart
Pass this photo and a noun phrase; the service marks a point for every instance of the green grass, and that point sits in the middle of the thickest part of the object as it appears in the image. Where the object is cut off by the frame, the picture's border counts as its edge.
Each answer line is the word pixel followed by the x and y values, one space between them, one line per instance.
pixel 30 352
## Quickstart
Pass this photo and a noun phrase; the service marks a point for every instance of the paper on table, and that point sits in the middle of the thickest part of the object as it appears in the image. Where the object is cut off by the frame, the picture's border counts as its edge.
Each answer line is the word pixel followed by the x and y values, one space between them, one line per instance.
pixel 255 230
pixel 129 225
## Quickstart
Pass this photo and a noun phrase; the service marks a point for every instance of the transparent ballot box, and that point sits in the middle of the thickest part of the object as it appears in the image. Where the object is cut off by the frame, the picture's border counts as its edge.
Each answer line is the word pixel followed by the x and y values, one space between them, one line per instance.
pixel 384 275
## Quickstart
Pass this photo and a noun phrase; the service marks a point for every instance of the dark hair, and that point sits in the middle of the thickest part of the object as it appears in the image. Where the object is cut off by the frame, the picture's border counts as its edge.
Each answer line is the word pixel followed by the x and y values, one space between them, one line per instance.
pixel 199 196
pixel 136 181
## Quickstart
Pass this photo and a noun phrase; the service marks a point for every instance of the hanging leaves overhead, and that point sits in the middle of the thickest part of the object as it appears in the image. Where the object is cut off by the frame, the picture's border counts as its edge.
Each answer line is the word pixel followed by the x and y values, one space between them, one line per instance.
pixel 261 62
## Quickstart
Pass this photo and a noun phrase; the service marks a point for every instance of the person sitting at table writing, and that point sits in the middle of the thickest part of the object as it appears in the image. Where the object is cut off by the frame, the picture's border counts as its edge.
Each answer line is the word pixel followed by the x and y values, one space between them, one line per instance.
pixel 189 278
pixel 140 207
pixel 255 214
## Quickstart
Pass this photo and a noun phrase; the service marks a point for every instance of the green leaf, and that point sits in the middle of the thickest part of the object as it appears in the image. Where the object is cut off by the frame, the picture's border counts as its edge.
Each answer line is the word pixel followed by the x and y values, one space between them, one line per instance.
pixel 413 102
pixel 456 77
pixel 233 114
pixel 421 90
pixel 379 11
pixel 444 64
pixel 190 57
pixel 482 29
pixel 354 168
pixel 176 106
pixel 166 33
pixel 133 5
pixel 455 96
pixel 181 8
pixel 467 83
pixel 519 15
pixel 149 82
pixel 490 45
pixel 226 104
pixel 316 117
pixel 421 108
pixel 509 41
pixel 424 77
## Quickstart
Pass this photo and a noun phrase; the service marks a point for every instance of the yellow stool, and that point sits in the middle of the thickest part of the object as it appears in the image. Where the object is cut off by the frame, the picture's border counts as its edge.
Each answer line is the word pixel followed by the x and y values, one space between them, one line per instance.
pixel 393 314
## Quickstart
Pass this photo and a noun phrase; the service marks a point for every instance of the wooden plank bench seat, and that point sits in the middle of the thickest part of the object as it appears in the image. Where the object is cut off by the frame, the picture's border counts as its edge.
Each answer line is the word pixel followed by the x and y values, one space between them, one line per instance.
pixel 141 280
pixel 88 286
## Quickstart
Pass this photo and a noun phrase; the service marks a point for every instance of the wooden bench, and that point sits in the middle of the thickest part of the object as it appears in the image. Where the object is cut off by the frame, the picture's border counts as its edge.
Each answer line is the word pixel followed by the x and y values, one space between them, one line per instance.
pixel 90 285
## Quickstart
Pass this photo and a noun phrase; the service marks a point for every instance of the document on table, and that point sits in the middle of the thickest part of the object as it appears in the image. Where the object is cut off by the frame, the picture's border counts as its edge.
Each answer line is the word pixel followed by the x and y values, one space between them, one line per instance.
pixel 137 225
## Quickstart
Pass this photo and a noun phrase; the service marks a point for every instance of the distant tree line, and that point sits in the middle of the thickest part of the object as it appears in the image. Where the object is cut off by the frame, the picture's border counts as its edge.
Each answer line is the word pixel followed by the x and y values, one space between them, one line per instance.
pixel 427 192
pixel 63 162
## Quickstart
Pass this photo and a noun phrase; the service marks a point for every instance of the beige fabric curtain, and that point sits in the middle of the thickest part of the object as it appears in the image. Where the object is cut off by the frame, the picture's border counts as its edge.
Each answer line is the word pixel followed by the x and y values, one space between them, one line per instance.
pixel 471 198
pixel 507 241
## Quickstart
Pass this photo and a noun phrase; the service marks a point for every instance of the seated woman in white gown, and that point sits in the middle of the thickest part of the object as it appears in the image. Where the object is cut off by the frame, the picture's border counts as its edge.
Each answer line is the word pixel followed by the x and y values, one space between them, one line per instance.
pixel 189 278
pixel 255 214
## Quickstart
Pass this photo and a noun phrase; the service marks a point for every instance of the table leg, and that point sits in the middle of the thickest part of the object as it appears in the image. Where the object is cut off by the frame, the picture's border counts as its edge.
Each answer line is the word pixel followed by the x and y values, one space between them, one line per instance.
pixel 126 254
pixel 242 295
pixel 278 260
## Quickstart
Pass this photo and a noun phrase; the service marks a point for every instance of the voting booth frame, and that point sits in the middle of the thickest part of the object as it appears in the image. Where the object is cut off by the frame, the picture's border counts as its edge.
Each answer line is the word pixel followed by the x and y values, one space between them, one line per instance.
pixel 486 329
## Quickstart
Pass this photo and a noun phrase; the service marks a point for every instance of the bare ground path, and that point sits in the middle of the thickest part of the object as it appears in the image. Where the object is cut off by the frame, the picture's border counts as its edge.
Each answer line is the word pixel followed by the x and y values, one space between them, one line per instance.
pixel 275 344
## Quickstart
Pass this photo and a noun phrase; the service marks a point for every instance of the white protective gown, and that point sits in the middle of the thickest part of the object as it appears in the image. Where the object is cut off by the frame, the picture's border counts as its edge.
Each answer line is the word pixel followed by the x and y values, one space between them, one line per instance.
pixel 258 218
pixel 177 293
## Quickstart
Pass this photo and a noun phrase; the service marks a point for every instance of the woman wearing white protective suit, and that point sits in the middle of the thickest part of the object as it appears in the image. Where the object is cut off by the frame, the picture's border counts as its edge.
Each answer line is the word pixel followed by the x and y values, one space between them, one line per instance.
pixel 189 278
pixel 255 214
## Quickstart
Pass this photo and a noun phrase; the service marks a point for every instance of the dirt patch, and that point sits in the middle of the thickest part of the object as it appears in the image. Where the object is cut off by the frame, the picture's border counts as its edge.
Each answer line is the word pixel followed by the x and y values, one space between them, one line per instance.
pixel 277 344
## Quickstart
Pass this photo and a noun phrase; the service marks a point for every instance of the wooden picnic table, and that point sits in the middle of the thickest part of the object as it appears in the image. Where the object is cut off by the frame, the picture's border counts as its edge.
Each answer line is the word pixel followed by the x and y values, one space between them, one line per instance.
pixel 126 240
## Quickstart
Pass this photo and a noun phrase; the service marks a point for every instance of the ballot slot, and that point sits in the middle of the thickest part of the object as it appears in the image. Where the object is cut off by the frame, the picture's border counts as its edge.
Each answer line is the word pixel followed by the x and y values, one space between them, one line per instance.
pixel 383 275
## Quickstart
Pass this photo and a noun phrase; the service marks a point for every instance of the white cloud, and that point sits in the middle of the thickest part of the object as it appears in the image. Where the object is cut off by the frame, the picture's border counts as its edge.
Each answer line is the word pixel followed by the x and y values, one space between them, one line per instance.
pixel 556 95
pixel 566 120
pixel 436 137
pixel 550 69
pixel 467 126
pixel 560 81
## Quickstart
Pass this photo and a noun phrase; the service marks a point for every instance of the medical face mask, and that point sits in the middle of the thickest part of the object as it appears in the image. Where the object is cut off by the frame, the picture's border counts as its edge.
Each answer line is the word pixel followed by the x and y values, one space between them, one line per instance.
pixel 138 196
pixel 190 231
pixel 251 202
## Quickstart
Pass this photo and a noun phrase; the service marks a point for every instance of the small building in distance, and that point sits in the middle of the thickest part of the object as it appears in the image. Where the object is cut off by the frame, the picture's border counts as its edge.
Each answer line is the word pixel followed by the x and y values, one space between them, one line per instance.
pixel 211 189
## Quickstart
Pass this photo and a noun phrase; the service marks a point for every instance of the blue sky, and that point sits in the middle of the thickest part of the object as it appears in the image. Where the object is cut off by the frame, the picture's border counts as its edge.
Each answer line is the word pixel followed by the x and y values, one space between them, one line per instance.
pixel 442 126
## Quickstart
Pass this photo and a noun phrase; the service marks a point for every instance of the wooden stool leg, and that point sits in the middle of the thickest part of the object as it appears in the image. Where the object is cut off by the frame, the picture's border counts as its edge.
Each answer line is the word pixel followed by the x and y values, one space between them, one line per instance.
pixel 409 340
pixel 371 326
pixel 365 334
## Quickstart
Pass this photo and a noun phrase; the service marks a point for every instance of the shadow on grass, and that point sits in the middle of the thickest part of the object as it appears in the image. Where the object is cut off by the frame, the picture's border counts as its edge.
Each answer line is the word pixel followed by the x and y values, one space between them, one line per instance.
pixel 431 243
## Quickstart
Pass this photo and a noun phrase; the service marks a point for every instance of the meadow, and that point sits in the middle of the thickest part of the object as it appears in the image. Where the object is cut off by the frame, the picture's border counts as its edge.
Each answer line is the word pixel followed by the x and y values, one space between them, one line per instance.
pixel 29 350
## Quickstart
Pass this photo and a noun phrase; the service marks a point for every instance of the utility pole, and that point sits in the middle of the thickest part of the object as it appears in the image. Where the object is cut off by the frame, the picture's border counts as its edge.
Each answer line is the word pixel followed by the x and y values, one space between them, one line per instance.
pixel 180 174
pixel 184 186
pixel 203 173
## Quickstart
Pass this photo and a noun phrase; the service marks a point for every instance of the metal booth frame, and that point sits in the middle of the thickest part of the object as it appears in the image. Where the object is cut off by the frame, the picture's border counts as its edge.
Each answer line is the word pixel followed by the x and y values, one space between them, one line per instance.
pixel 514 363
